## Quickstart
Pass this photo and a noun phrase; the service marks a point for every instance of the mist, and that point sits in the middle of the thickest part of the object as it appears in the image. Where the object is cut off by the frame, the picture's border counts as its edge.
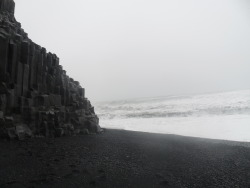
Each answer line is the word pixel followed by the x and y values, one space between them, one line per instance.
pixel 144 48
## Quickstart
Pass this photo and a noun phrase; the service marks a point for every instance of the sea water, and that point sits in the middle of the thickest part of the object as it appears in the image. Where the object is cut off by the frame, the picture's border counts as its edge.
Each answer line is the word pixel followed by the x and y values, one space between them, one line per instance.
pixel 218 116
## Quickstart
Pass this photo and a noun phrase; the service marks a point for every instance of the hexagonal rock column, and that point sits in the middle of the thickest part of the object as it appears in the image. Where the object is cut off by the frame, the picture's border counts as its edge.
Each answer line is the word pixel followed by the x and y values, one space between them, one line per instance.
pixel 36 95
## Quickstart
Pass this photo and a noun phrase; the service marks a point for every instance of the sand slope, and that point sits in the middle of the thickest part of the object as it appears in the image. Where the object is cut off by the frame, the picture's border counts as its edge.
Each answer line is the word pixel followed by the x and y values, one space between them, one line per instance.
pixel 124 159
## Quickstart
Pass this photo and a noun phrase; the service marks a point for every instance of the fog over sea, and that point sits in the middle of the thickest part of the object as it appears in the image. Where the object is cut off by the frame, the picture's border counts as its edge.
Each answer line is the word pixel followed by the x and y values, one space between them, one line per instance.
pixel 218 115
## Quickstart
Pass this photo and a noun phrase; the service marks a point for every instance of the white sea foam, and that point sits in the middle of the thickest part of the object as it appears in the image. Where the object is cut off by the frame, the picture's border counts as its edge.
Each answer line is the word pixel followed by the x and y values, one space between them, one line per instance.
pixel 219 116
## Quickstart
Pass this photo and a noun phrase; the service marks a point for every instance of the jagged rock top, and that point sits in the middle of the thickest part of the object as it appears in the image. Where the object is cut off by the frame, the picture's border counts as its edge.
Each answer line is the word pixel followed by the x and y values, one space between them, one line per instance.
pixel 7 6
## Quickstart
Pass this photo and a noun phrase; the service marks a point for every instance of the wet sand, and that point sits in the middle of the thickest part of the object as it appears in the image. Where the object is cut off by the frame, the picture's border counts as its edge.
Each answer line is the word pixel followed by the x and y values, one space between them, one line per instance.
pixel 119 158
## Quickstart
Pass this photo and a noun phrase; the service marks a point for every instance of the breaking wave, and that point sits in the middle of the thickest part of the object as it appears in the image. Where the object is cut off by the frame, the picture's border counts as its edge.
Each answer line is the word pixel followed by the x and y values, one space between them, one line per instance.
pixel 218 116
pixel 229 103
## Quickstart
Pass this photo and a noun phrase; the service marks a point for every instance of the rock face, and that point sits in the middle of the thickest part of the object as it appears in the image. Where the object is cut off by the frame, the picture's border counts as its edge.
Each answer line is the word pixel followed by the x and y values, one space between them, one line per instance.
pixel 36 95
pixel 7 5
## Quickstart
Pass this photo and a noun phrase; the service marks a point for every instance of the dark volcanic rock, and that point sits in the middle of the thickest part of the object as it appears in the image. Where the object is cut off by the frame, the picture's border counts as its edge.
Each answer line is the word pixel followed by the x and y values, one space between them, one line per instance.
pixel 7 5
pixel 35 91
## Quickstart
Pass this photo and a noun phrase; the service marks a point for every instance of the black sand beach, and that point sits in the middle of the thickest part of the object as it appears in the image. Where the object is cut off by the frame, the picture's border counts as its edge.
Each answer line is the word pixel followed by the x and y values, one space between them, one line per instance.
pixel 124 159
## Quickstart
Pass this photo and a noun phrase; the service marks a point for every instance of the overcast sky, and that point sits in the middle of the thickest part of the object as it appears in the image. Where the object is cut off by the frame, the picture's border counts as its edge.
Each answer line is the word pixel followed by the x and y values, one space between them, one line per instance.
pixel 121 49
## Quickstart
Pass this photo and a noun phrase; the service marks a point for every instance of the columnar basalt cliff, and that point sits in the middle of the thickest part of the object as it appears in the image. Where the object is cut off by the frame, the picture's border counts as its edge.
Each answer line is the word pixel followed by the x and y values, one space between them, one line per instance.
pixel 36 95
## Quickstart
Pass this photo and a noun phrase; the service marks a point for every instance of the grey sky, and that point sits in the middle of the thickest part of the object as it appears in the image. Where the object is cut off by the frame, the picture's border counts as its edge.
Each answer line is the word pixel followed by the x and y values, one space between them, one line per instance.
pixel 138 48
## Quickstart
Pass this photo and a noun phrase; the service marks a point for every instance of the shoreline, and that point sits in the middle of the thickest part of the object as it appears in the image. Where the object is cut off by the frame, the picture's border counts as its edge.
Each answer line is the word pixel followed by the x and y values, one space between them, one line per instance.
pixel 211 140
pixel 119 158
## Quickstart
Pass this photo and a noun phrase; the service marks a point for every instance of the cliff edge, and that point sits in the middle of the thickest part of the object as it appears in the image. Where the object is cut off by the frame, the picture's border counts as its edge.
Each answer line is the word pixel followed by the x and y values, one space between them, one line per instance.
pixel 36 95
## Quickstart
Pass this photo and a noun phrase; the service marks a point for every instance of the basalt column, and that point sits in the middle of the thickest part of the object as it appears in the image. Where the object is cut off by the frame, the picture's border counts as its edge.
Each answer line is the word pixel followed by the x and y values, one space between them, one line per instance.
pixel 36 95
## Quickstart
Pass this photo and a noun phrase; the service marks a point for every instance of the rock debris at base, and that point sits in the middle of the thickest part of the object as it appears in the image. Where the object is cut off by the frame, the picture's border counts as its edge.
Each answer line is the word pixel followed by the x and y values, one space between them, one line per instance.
pixel 37 97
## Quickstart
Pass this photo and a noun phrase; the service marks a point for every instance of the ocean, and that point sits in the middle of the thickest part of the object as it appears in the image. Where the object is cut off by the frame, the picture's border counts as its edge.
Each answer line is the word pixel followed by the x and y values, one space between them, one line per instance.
pixel 223 116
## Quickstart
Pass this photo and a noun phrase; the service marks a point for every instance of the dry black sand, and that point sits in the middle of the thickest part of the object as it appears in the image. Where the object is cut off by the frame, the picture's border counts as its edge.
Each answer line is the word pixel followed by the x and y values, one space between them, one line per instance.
pixel 124 159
